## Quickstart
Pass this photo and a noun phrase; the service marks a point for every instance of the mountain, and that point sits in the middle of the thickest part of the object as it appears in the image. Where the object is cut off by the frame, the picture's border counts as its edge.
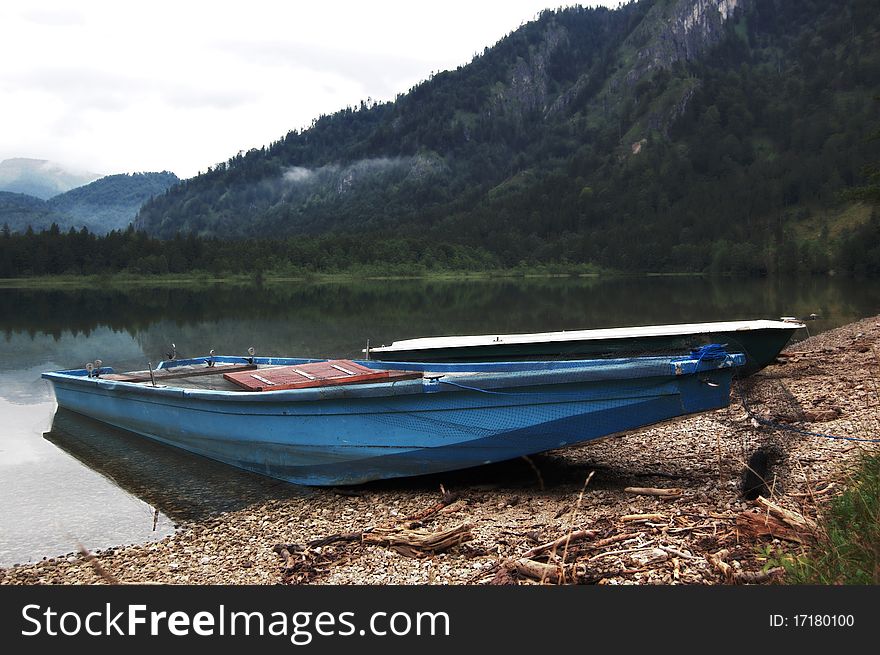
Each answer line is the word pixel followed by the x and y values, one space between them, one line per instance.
pixel 18 210
pixel 110 203
pixel 40 178
pixel 663 135
pixel 107 204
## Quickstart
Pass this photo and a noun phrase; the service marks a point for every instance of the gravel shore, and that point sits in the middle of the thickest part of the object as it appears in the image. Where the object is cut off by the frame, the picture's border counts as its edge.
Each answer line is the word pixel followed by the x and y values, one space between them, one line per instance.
pixel 487 525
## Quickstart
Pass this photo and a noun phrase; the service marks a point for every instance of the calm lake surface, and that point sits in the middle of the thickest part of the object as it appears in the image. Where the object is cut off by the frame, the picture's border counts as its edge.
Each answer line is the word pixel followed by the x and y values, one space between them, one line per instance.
pixel 66 480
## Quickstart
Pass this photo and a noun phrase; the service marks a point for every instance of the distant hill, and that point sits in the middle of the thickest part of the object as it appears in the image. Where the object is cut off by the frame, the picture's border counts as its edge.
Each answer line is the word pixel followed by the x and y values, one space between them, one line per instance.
pixel 109 203
pixel 662 135
pixel 18 210
pixel 40 178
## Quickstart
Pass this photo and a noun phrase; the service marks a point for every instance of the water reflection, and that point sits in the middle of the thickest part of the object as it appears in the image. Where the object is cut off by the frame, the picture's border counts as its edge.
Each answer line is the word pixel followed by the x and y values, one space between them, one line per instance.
pixel 50 504
pixel 181 485
pixel 336 319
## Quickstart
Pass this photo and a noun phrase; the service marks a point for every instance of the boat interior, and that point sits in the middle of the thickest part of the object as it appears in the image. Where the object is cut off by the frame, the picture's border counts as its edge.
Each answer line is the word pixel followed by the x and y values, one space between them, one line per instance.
pixel 255 376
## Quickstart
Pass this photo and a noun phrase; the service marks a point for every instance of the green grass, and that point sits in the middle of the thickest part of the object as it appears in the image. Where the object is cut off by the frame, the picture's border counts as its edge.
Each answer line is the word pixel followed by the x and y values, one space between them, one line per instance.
pixel 837 221
pixel 72 281
pixel 201 278
pixel 848 550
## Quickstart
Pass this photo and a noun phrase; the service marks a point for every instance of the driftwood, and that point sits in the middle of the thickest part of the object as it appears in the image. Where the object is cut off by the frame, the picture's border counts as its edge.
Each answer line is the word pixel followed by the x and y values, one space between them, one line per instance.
pixel 562 542
pixel 740 577
pixel 672 492
pixel 454 507
pixel 796 521
pixel 446 498
pixel 757 577
pixel 764 525
pixel 642 517
pixel 333 538
pixel 623 551
pixel 419 543
pixel 810 494
pixel 676 553
pixel 538 570
pixel 718 563
pixel 284 554
pixel 504 575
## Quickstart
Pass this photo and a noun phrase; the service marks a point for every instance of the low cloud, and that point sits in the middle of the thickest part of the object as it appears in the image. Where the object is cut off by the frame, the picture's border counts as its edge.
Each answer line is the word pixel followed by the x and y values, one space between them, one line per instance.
pixel 298 174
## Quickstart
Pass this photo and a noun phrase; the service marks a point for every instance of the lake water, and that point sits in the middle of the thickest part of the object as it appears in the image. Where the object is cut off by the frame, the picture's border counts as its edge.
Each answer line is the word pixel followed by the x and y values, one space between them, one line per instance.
pixel 67 481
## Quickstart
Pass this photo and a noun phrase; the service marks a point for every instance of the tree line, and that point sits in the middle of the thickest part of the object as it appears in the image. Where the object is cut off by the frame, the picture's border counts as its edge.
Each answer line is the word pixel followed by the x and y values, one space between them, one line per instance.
pixel 80 252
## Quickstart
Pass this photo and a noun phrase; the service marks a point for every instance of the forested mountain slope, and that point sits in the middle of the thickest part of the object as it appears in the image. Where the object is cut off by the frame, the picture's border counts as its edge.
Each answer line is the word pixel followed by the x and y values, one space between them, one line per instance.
pixel 107 204
pixel 664 135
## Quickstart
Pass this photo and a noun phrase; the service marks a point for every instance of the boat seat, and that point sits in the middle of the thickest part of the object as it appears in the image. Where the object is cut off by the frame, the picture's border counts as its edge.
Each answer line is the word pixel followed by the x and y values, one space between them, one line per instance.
pixel 318 374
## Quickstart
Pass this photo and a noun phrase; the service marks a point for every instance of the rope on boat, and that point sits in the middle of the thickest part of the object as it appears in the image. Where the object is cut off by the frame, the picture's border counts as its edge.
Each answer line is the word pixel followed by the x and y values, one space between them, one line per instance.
pixel 709 352
pixel 552 396
pixel 788 428
pixel 467 388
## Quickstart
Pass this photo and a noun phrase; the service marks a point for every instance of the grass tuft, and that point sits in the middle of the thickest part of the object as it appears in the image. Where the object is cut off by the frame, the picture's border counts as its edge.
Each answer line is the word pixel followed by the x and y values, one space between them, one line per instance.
pixel 848 549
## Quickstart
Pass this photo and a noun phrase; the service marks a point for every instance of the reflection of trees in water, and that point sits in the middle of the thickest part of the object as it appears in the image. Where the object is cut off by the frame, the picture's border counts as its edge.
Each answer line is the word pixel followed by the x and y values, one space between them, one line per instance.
pixel 336 319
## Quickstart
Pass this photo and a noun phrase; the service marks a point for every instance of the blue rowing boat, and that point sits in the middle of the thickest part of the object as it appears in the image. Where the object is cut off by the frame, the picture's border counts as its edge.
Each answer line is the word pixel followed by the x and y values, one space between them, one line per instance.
pixel 366 420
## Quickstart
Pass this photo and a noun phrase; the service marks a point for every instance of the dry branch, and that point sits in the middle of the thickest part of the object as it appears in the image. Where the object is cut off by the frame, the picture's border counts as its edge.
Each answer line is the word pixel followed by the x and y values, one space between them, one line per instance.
pixel 810 494
pixel 642 517
pixel 420 542
pixel 796 521
pixel 454 507
pixel 284 554
pixel 623 551
pixel 333 538
pixel 676 553
pixel 763 525
pixel 505 574
pixel 718 563
pixel 571 538
pixel 446 498
pixel 538 570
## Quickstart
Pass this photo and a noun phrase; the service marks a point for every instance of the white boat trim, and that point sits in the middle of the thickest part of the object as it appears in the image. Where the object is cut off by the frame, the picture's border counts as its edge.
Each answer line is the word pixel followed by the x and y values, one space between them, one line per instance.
pixel 429 343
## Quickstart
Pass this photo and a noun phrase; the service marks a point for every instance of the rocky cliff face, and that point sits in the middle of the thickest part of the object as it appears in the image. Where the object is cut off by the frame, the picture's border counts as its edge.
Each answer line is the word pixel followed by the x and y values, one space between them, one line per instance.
pixel 672 31
pixel 527 89
pixel 679 30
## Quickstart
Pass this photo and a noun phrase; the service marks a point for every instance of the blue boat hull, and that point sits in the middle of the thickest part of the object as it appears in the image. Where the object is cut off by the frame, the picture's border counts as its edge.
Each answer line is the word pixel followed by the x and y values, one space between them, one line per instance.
pixel 353 434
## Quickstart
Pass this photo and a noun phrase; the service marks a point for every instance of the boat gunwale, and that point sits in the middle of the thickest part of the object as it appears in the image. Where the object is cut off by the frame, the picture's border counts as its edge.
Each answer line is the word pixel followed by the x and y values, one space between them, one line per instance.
pixel 487 374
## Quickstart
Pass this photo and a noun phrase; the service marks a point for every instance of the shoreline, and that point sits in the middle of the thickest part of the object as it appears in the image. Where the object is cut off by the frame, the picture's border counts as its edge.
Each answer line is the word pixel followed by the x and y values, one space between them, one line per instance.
pixel 197 279
pixel 700 536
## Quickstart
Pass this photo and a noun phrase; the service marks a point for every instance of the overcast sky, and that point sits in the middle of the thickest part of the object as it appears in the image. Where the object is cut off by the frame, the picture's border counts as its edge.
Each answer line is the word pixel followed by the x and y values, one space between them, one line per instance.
pixel 115 86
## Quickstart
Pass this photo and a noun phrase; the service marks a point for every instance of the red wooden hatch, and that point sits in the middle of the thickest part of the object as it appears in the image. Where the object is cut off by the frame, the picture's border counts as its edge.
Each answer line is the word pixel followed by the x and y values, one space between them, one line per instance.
pixel 318 374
